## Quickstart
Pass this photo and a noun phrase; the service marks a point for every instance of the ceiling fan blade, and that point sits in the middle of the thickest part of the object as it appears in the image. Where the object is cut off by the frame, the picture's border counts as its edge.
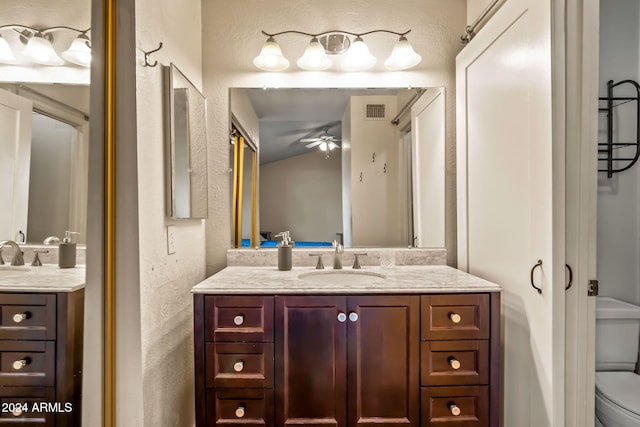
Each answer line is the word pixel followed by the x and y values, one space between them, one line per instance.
pixel 313 144
pixel 310 139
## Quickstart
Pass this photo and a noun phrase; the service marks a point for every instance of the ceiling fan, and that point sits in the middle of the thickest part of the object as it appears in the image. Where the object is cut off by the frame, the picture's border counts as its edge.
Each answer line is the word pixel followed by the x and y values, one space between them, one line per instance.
pixel 325 142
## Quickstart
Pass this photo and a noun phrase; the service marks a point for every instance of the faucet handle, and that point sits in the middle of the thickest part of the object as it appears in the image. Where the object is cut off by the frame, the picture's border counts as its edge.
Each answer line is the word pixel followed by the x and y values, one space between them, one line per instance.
pixel 36 259
pixel 319 265
pixel 356 261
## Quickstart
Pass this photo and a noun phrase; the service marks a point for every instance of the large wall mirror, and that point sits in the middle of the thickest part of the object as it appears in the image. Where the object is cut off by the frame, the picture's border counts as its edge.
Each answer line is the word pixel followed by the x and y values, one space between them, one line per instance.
pixel 186 133
pixel 361 166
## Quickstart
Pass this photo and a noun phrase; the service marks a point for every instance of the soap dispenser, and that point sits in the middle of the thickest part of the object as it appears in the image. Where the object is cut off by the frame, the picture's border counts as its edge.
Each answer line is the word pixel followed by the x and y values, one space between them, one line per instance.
pixel 67 251
pixel 285 252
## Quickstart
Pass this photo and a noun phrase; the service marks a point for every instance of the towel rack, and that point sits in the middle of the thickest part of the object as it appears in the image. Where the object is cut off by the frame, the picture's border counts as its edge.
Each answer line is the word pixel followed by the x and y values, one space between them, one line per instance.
pixel 611 159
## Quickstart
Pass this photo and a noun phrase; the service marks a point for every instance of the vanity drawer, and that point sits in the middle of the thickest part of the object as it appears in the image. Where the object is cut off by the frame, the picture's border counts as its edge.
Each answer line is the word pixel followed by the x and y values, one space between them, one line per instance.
pixel 231 365
pixel 455 406
pixel 27 317
pixel 27 363
pixel 454 363
pixel 12 414
pixel 239 318
pixel 455 317
pixel 246 407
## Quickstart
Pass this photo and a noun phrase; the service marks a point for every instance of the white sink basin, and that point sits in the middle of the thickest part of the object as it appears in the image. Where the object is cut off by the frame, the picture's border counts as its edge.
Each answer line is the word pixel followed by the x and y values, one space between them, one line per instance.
pixel 340 277
pixel 9 270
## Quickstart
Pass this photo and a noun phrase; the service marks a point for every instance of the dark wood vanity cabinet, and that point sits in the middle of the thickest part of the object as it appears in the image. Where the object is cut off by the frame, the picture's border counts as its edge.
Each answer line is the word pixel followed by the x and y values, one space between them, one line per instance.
pixel 41 337
pixel 347 360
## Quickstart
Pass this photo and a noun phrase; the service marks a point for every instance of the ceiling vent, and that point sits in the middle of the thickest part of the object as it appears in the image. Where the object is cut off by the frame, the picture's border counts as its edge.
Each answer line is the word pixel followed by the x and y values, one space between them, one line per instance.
pixel 375 111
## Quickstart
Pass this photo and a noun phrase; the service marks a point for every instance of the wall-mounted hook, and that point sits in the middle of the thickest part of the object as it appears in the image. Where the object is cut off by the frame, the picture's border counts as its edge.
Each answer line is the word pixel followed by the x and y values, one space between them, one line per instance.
pixel 147 62
pixel 373 158
pixel 384 169
pixel 360 176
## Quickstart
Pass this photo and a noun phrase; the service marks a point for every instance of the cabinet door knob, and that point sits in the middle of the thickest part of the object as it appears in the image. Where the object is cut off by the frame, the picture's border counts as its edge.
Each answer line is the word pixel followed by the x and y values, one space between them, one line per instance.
pixel 19 364
pixel 238 320
pixel 240 411
pixel 17 412
pixel 455 317
pixel 454 363
pixel 454 409
pixel 238 366
pixel 342 317
pixel 19 317
pixel 353 316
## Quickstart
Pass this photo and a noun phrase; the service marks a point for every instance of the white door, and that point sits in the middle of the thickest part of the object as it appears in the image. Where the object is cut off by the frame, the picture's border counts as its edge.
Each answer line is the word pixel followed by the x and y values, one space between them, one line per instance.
pixel 427 144
pixel 15 153
pixel 510 178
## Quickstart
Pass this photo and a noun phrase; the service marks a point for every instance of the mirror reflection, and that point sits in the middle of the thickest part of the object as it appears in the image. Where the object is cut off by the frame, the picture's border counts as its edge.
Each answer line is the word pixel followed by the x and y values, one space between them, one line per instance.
pixel 364 167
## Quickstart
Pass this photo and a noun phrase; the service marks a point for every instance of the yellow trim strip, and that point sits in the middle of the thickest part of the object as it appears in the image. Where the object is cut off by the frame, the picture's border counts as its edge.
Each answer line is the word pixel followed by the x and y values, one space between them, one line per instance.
pixel 240 168
pixel 109 356
pixel 234 200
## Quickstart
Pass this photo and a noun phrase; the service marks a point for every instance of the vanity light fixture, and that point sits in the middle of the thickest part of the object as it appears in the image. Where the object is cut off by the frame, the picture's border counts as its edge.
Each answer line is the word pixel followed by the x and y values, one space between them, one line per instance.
pixel 39 48
pixel 357 55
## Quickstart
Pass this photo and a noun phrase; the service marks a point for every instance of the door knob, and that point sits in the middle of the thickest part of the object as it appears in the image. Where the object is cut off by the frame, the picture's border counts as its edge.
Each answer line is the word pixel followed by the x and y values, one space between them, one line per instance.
pixel 353 316
pixel 454 409
pixel 454 363
pixel 238 320
pixel 342 317
pixel 19 364
pixel 238 366
pixel 19 317
pixel 455 317
pixel 240 411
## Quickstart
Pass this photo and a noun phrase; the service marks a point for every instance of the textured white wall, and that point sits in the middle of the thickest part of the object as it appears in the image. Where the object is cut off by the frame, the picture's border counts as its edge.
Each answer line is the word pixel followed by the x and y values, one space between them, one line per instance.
pixel 618 251
pixel 232 39
pixel 166 314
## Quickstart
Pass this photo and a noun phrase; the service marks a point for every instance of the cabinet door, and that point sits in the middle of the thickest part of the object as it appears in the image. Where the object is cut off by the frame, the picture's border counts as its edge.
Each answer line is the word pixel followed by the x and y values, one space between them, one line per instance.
pixel 383 351
pixel 311 359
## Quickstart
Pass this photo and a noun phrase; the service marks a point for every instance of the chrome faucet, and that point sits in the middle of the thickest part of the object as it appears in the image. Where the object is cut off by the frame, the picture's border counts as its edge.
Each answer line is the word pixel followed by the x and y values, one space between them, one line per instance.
pixel 17 253
pixel 337 257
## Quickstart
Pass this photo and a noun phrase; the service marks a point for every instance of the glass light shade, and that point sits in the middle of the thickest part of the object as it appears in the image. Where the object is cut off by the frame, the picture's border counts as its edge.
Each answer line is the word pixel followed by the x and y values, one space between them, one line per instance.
pixel 271 58
pixel 314 57
pixel 323 146
pixel 40 51
pixel 358 57
pixel 402 56
pixel 6 54
pixel 332 145
pixel 79 52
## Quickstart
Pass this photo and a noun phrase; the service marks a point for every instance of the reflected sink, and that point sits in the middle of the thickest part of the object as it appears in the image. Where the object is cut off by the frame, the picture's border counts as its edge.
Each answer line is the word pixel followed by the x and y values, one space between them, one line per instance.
pixel 341 277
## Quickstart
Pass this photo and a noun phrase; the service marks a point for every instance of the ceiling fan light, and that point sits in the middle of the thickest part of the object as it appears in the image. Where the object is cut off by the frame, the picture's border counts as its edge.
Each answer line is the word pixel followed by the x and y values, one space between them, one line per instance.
pixel 40 51
pixel 314 57
pixel 332 145
pixel 6 54
pixel 323 146
pixel 271 58
pixel 402 56
pixel 79 51
pixel 358 57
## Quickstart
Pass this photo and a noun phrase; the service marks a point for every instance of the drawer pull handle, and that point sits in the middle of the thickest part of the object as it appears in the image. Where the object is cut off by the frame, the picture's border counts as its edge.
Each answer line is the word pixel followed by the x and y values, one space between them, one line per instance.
pixel 19 364
pixel 454 363
pixel 454 409
pixel 238 366
pixel 17 412
pixel 455 317
pixel 342 317
pixel 240 412
pixel 353 316
pixel 19 317
pixel 238 320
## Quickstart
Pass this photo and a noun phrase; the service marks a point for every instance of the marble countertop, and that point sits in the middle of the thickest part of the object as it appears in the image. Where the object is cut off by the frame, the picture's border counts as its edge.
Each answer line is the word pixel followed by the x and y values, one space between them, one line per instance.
pixel 400 279
pixel 47 278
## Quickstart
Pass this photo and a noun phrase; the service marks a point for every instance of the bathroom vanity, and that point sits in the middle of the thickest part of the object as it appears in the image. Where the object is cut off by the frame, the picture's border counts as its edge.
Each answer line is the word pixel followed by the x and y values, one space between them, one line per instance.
pixel 41 328
pixel 412 345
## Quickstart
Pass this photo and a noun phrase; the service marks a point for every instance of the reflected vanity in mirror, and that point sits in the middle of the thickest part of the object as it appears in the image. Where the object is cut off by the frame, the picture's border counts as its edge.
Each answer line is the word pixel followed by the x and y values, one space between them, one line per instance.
pixel 361 166
pixel 186 134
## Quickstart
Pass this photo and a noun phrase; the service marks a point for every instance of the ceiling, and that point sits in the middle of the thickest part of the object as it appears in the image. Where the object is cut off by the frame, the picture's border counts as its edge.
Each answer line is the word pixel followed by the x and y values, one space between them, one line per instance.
pixel 288 115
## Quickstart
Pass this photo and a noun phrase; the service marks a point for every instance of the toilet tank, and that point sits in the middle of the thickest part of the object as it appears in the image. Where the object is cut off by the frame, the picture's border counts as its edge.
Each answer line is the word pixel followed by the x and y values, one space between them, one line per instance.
pixel 617 334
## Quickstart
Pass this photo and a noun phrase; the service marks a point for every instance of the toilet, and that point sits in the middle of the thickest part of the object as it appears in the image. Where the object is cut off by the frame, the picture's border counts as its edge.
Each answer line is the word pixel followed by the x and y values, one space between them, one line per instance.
pixel 617 385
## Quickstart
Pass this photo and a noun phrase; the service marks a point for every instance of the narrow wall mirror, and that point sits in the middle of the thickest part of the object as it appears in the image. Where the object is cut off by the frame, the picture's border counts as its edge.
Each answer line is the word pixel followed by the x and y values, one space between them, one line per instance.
pixel 186 140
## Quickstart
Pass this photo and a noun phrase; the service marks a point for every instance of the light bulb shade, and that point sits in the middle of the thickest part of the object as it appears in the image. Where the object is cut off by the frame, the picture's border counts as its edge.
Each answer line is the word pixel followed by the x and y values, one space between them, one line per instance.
pixel 271 58
pixel 314 57
pixel 323 146
pixel 358 57
pixel 6 54
pixel 403 56
pixel 79 52
pixel 40 51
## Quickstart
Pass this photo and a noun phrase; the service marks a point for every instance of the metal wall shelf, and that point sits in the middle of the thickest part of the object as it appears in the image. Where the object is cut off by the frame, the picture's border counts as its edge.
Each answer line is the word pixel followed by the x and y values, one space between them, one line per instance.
pixel 610 158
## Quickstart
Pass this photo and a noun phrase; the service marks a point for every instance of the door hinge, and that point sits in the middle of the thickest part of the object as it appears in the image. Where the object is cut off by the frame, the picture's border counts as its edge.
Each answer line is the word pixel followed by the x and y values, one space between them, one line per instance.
pixel 593 288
